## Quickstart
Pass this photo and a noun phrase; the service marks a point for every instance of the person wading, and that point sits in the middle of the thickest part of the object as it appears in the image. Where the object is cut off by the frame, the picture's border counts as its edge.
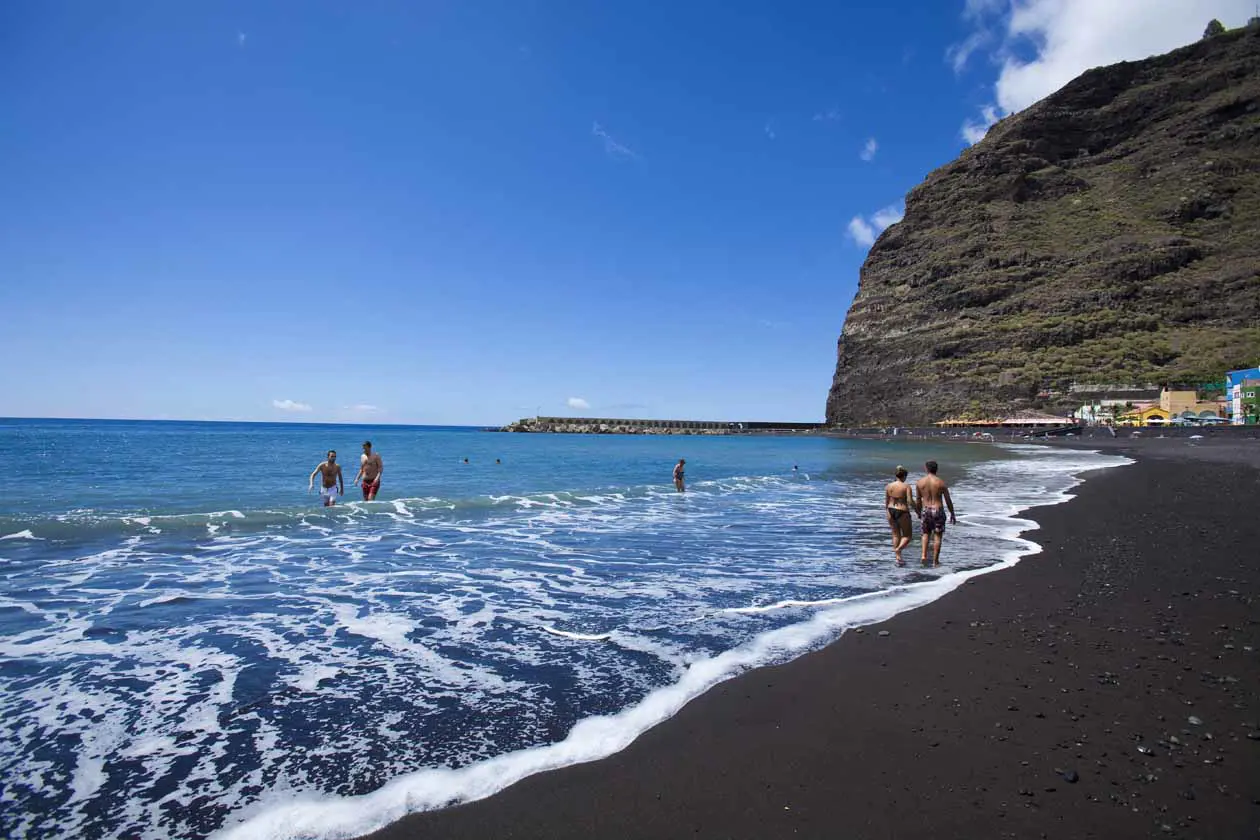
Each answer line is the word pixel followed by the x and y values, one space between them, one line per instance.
pixel 932 492
pixel 333 483
pixel 898 500
pixel 679 470
pixel 371 468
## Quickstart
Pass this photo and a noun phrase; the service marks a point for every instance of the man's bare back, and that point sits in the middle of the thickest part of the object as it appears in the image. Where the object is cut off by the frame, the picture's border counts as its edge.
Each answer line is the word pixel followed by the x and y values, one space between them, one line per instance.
pixel 932 490
pixel 932 493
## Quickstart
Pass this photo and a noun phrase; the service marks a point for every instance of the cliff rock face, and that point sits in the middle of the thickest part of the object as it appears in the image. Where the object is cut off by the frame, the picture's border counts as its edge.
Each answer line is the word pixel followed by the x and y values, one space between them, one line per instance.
pixel 1108 234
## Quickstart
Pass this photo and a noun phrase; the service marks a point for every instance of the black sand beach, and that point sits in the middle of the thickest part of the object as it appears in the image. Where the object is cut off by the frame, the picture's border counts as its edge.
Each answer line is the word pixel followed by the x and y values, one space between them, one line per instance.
pixel 1108 687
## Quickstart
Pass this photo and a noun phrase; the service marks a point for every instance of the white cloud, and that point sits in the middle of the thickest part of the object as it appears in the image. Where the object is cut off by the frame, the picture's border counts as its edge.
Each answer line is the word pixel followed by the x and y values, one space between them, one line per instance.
pixel 362 408
pixel 611 147
pixel 973 131
pixel 578 403
pixel 865 231
pixel 1047 43
pixel 976 9
pixel 769 129
pixel 888 217
pixel 290 405
pixel 861 231
pixel 830 115
pixel 240 39
pixel 869 149
pixel 957 54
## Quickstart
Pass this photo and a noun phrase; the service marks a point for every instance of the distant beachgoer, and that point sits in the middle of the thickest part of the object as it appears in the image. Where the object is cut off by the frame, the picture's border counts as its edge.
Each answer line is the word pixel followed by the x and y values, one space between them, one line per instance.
pixel 371 468
pixel 497 461
pixel 932 492
pixel 333 483
pixel 898 499
pixel 465 460
pixel 679 469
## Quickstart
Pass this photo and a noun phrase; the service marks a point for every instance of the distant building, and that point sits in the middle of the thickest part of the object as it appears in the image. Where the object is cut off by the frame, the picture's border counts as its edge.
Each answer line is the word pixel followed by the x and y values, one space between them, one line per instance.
pixel 1101 410
pixel 1233 390
pixel 1186 404
pixel 1026 419
pixel 1151 415
pixel 1249 391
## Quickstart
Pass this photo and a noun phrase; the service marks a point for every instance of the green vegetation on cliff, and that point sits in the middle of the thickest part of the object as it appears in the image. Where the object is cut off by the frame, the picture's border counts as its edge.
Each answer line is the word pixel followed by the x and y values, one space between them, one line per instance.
pixel 1109 233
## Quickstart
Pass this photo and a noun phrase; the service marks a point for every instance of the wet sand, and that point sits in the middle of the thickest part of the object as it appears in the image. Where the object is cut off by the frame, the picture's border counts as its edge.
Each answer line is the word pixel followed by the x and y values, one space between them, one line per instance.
pixel 1108 687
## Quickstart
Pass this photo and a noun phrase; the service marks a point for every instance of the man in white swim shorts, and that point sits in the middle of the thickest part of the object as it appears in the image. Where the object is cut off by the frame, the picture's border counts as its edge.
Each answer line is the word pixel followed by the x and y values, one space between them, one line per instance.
pixel 333 483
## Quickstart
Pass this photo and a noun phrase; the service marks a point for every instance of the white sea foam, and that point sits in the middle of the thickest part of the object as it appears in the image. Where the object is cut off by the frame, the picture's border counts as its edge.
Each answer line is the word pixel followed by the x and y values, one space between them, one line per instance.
pixel 591 739
pixel 285 815
pixel 21 535
pixel 311 675
pixel 581 637
pixel 430 632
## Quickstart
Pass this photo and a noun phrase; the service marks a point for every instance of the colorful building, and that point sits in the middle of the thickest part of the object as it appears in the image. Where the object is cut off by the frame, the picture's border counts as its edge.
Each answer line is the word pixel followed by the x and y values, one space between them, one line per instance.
pixel 1151 415
pixel 1249 390
pixel 1185 404
pixel 1233 385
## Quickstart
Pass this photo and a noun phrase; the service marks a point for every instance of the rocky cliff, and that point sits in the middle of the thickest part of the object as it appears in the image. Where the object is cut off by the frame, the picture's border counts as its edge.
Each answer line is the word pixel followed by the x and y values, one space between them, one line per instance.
pixel 1109 233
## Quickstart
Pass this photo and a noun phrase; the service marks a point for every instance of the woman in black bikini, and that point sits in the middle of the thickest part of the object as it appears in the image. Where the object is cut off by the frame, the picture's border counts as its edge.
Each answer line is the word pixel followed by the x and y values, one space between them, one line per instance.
pixel 898 499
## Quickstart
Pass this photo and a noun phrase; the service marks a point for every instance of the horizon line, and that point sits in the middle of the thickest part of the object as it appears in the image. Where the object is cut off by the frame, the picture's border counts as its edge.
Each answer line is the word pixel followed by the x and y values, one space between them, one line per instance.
pixel 253 422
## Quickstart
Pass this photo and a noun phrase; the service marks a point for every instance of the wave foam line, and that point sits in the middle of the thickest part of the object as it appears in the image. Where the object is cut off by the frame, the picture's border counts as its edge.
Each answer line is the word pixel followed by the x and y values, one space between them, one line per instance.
pixel 581 637
pixel 21 535
pixel 312 817
pixel 824 602
pixel 326 818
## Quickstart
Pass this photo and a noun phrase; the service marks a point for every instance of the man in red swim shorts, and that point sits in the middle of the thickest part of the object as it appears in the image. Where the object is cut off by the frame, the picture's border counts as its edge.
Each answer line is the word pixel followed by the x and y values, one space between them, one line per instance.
pixel 371 468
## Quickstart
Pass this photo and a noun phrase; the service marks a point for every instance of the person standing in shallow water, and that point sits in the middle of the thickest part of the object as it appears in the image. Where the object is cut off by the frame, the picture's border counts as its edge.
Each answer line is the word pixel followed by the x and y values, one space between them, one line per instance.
pixel 371 468
pixel 333 483
pixel 932 492
pixel 898 499
pixel 679 470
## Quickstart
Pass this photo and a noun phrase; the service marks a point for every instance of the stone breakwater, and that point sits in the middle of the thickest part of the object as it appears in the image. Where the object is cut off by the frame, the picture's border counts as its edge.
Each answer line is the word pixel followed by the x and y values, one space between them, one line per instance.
pixel 611 427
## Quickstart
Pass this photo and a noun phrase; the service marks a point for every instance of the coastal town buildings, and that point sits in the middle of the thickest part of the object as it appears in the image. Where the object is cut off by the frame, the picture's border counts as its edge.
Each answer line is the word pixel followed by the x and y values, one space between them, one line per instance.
pixel 1150 415
pixel 1186 403
pixel 1249 402
pixel 1017 420
pixel 1234 391
pixel 1178 406
pixel 1103 411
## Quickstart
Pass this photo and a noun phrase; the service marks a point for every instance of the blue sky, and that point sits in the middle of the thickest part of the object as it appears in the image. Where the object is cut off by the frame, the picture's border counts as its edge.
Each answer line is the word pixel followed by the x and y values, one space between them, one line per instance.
pixel 469 212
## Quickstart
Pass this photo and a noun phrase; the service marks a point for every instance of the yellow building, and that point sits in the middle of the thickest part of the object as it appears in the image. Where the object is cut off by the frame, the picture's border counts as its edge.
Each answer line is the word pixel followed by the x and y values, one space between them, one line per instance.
pixel 1144 417
pixel 1178 403
pixel 1175 402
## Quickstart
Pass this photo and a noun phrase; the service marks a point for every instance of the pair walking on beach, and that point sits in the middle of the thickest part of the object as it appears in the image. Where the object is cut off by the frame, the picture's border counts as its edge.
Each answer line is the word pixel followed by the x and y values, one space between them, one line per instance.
pixel 371 468
pixel 929 503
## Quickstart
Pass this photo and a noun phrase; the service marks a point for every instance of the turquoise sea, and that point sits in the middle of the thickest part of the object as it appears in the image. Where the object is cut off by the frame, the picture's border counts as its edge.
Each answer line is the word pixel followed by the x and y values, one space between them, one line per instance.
pixel 191 646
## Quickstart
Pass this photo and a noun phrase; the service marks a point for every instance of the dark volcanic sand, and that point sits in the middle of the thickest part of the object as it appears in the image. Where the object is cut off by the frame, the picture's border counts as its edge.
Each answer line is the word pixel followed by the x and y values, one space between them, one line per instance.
pixel 969 718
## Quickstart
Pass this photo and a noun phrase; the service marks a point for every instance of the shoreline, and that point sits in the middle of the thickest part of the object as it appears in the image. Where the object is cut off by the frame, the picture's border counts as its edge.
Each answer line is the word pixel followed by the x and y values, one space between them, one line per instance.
pixel 593 739
pixel 764 754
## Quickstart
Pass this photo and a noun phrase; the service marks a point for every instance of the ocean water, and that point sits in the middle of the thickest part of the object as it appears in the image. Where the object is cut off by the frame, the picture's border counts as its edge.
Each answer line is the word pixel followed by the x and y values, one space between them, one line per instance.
pixel 191 646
